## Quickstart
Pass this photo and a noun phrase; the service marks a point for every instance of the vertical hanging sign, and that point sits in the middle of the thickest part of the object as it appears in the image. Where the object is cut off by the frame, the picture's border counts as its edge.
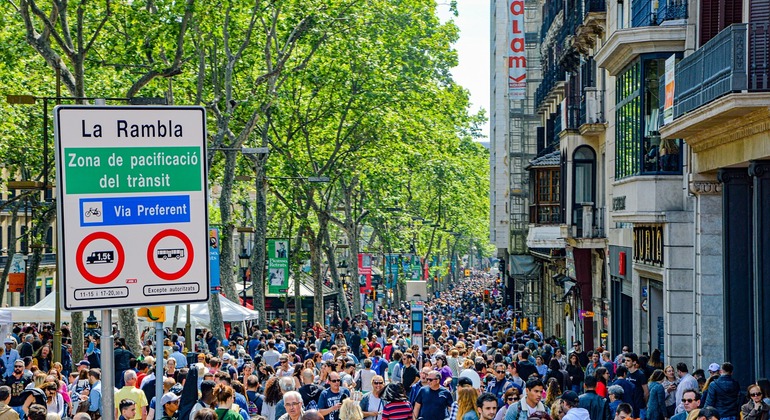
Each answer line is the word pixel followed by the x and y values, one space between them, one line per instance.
pixel 214 259
pixel 277 266
pixel 365 272
pixel 517 54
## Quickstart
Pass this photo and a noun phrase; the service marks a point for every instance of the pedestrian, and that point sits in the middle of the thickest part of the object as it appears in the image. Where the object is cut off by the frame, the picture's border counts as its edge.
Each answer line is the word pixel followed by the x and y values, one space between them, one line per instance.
pixel 670 383
pixel 656 403
pixel 224 395
pixel 602 377
pixel 466 403
pixel 597 406
pixel 350 410
pixel 371 404
pixel 575 371
pixel 433 400
pixel 686 383
pixel 615 393
pixel 755 409
pixel 292 401
pixel 330 400
pixel 724 394
pixel 486 405
pixel 691 402
pixel 570 407
pixel 530 403
pixel 395 404
pixel 510 397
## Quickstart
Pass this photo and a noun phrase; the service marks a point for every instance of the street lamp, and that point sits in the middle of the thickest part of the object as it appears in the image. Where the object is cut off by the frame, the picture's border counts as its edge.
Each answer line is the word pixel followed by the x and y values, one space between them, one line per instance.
pixel 92 325
pixel 243 260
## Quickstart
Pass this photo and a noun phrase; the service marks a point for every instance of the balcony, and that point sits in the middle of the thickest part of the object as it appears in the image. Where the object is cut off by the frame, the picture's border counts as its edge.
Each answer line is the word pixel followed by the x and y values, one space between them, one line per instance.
pixel 551 88
pixel 625 45
pixel 643 12
pixel 721 91
pixel 587 228
pixel 594 20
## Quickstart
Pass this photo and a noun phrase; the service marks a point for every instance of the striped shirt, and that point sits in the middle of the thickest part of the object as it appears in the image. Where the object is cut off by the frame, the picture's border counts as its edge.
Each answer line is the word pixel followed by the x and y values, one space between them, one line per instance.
pixel 397 410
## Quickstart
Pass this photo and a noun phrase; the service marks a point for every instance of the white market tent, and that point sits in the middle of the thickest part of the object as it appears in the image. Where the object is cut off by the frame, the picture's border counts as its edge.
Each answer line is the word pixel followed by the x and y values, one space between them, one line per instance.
pixel 44 311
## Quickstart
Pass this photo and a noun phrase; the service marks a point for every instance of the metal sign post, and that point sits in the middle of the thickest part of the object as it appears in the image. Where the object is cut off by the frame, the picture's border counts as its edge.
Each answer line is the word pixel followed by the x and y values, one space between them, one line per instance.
pixel 158 369
pixel 108 367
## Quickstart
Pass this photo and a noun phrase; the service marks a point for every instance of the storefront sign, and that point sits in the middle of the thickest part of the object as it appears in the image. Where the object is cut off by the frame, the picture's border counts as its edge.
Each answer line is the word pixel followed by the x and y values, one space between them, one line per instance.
pixel 648 244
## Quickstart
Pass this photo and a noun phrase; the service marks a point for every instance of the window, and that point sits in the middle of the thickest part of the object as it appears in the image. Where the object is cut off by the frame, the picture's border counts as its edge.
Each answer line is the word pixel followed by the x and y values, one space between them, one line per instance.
pixel 546 208
pixel 584 179
pixel 639 149
pixel 584 162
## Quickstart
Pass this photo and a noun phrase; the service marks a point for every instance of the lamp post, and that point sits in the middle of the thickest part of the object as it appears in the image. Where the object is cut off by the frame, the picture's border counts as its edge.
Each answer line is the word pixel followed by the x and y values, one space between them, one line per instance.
pixel 92 325
pixel 243 261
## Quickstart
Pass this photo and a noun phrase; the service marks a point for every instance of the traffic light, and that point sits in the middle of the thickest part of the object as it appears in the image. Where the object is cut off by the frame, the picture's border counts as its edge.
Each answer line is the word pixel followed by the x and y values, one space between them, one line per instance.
pixel 152 313
pixel 501 266
pixel 373 295
pixel 486 296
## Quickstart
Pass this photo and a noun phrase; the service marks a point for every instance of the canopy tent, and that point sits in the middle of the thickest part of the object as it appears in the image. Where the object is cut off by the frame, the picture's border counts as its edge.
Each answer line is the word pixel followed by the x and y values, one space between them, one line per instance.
pixel 44 311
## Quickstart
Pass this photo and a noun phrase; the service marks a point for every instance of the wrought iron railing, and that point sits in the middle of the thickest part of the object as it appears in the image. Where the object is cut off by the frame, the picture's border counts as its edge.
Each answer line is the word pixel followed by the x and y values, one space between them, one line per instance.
pixel 736 59
pixel 595 6
pixel 552 76
pixel 594 228
pixel 671 10
pixel 644 13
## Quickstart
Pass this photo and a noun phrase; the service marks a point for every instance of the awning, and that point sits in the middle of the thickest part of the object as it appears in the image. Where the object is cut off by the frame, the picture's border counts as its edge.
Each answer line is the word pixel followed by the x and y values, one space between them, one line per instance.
pixel 545 237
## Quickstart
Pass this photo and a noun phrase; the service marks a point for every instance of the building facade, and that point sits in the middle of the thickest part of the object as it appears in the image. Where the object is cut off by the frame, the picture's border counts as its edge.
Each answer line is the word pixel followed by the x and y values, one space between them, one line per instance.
pixel 659 112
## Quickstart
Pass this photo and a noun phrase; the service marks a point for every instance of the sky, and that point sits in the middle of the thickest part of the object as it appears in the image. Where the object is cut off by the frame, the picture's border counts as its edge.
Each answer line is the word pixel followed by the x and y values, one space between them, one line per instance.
pixel 473 51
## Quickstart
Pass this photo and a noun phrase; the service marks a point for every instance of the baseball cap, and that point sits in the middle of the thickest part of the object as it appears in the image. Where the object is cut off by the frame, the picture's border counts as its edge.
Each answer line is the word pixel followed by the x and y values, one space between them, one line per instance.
pixel 714 367
pixel 168 397
pixel 8 341
pixel 571 397
pixel 226 357
pixel 84 363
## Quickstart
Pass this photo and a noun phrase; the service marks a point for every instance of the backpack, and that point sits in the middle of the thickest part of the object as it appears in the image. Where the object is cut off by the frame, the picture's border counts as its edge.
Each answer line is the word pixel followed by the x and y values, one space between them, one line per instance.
pixel 312 405
pixel 251 405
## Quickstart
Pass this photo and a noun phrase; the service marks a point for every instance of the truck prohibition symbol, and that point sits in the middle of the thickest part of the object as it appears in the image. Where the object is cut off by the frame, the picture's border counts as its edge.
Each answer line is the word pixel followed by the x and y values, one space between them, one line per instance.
pixel 166 253
pixel 101 257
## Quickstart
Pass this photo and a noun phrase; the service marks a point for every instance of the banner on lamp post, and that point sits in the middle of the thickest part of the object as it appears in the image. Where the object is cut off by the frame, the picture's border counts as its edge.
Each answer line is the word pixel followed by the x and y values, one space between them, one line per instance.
pixel 365 272
pixel 668 104
pixel 391 270
pixel 214 259
pixel 278 250
pixel 17 274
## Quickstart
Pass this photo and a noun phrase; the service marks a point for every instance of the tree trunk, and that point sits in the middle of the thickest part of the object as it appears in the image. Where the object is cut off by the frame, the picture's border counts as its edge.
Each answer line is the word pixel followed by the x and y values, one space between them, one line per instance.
pixel 352 231
pixel 258 254
pixel 129 329
pixel 226 245
pixel 77 337
pixel 217 326
pixel 342 301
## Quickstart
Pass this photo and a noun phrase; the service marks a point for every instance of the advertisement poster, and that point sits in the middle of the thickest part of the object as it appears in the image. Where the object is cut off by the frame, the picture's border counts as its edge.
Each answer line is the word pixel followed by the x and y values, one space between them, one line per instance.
pixel 668 105
pixel 365 272
pixel 416 267
pixel 214 259
pixel 17 274
pixel 391 270
pixel 277 266
pixel 517 54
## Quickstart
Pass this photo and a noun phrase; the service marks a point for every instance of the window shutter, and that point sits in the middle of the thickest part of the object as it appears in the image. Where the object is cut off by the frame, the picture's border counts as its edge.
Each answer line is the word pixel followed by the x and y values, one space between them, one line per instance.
pixel 759 45
pixel 709 20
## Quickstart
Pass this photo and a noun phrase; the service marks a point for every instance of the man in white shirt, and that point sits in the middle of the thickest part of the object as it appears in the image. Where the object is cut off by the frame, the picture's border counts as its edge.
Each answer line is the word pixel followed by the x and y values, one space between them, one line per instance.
pixel 686 382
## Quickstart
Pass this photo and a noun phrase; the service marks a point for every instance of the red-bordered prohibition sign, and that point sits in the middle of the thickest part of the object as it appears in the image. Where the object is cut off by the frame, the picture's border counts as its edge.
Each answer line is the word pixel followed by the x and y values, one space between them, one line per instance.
pixel 151 254
pixel 82 267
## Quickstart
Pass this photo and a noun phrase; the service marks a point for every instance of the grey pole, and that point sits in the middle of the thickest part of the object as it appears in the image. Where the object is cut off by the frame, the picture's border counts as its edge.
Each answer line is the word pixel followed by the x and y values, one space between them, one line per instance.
pixel 159 369
pixel 108 367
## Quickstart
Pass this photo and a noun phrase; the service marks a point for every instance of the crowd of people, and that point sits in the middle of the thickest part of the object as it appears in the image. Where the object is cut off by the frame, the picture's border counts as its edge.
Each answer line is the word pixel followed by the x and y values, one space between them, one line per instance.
pixel 473 365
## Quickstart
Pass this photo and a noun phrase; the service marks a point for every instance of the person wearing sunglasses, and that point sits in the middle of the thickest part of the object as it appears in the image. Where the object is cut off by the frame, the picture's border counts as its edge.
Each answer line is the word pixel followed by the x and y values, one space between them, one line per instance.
pixel 433 401
pixel 690 401
pixel 371 404
pixel 330 400
pixel 755 409
pixel 499 385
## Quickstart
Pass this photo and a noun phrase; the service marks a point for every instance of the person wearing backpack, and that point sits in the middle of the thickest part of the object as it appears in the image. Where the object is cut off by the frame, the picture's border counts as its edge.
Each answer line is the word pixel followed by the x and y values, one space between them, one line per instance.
pixel 309 391
pixel 529 404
